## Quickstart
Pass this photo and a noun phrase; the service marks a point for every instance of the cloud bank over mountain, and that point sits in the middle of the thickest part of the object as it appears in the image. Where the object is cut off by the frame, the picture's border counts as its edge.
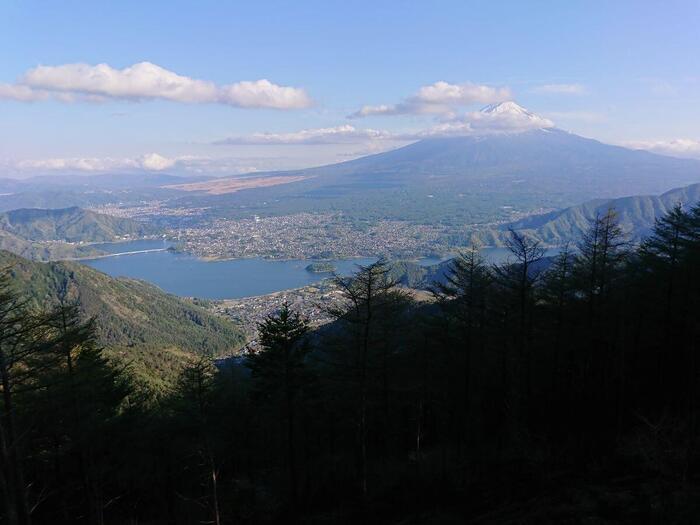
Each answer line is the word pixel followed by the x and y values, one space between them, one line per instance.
pixel 440 98
pixel 345 134
pixel 148 162
pixel 505 117
pixel 688 148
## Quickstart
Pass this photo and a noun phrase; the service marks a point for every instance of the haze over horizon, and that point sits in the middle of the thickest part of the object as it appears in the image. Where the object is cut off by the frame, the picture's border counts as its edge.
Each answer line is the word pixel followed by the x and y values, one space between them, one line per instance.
pixel 201 90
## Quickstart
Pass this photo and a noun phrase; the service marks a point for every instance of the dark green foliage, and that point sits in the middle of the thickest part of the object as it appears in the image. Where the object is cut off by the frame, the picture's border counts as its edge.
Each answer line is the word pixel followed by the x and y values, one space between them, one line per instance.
pixel 137 322
pixel 75 405
pixel 281 378
pixel 59 399
pixel 278 368
pixel 526 392
pixel 320 267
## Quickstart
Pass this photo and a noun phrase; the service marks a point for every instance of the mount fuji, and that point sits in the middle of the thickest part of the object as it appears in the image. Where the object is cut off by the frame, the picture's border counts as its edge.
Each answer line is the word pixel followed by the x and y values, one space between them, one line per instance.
pixel 503 157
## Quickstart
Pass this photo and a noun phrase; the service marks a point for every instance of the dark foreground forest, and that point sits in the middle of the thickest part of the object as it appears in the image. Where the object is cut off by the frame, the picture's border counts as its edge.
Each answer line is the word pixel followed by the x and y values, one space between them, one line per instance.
pixel 559 390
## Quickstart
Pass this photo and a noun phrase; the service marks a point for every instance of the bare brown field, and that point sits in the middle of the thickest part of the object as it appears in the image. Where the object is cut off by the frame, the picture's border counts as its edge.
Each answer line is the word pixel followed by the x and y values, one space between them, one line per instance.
pixel 222 186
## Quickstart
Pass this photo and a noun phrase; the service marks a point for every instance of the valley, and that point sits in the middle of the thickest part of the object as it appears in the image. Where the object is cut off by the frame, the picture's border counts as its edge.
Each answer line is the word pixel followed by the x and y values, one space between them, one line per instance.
pixel 318 263
pixel 242 244
pixel 431 197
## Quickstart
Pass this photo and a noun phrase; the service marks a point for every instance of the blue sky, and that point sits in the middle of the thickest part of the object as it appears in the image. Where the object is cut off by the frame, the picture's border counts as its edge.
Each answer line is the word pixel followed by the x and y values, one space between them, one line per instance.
pixel 622 72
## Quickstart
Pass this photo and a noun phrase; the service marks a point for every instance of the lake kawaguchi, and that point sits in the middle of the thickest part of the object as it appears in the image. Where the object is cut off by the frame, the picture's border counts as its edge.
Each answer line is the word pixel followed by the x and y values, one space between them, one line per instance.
pixel 188 276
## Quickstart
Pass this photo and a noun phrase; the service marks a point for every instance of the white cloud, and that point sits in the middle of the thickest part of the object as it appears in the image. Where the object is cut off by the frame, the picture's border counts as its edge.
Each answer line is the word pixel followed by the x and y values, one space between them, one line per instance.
pixel 368 111
pixel 149 162
pixel 561 89
pixel 146 81
pixel 336 135
pixel 505 117
pixel 21 93
pixel 689 148
pixel 155 162
pixel 460 94
pixel 67 164
pixel 440 98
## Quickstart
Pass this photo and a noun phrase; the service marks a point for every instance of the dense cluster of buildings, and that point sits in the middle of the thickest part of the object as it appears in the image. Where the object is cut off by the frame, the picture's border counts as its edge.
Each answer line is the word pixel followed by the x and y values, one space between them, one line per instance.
pixel 146 209
pixel 307 235
pixel 313 301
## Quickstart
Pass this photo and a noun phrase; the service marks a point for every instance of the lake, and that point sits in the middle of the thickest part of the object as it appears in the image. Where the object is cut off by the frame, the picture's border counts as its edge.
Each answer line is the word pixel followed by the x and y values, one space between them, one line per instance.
pixel 189 276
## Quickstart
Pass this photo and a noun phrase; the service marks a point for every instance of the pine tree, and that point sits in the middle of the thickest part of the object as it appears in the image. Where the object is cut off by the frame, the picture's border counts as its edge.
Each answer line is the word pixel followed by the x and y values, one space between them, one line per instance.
pixel 20 339
pixel 194 396
pixel 280 375
pixel 602 252
pixel 463 297
pixel 371 298
pixel 83 395
pixel 516 280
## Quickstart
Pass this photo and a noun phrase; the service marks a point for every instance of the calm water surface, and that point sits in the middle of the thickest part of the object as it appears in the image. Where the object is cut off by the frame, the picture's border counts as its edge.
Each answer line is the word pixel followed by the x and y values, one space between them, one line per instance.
pixel 188 276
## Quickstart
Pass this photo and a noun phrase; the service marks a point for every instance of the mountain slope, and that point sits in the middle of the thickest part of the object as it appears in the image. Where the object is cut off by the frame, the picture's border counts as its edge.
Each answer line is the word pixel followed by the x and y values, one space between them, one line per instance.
pixel 44 251
pixel 465 179
pixel 136 321
pixel 636 215
pixel 69 225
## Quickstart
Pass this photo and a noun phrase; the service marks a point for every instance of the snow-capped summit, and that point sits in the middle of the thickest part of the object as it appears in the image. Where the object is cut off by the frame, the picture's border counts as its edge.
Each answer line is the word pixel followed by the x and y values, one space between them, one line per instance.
pixel 505 107
pixel 508 117
pixel 496 119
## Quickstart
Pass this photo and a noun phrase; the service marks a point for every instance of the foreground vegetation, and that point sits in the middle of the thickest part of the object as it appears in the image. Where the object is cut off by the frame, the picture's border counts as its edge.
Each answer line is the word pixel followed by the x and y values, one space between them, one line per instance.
pixel 539 391
pixel 137 323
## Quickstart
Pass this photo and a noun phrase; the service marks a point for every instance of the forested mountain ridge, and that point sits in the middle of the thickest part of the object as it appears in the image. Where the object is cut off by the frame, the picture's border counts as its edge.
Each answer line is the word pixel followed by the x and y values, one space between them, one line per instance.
pixel 54 234
pixel 69 225
pixel 636 216
pixel 137 321
pixel 44 251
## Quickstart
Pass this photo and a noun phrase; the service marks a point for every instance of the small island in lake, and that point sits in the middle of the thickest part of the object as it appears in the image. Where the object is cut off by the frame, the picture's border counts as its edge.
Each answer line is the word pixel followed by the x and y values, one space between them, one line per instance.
pixel 320 267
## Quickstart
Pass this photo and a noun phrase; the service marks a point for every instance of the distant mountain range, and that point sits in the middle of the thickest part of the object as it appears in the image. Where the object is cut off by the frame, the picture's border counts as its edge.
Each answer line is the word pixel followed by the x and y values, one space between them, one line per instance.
pixel 107 181
pixel 137 322
pixel 456 181
pixel 70 225
pixel 61 191
pixel 44 234
pixel 636 215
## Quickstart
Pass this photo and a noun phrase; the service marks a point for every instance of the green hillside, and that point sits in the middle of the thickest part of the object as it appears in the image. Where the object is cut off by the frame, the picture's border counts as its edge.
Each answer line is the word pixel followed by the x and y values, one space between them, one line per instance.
pixel 69 225
pixel 136 321
pixel 636 216
pixel 44 251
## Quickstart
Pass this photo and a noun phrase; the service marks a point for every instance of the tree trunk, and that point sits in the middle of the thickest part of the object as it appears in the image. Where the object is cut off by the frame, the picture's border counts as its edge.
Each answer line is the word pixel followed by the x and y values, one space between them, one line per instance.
pixel 10 451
